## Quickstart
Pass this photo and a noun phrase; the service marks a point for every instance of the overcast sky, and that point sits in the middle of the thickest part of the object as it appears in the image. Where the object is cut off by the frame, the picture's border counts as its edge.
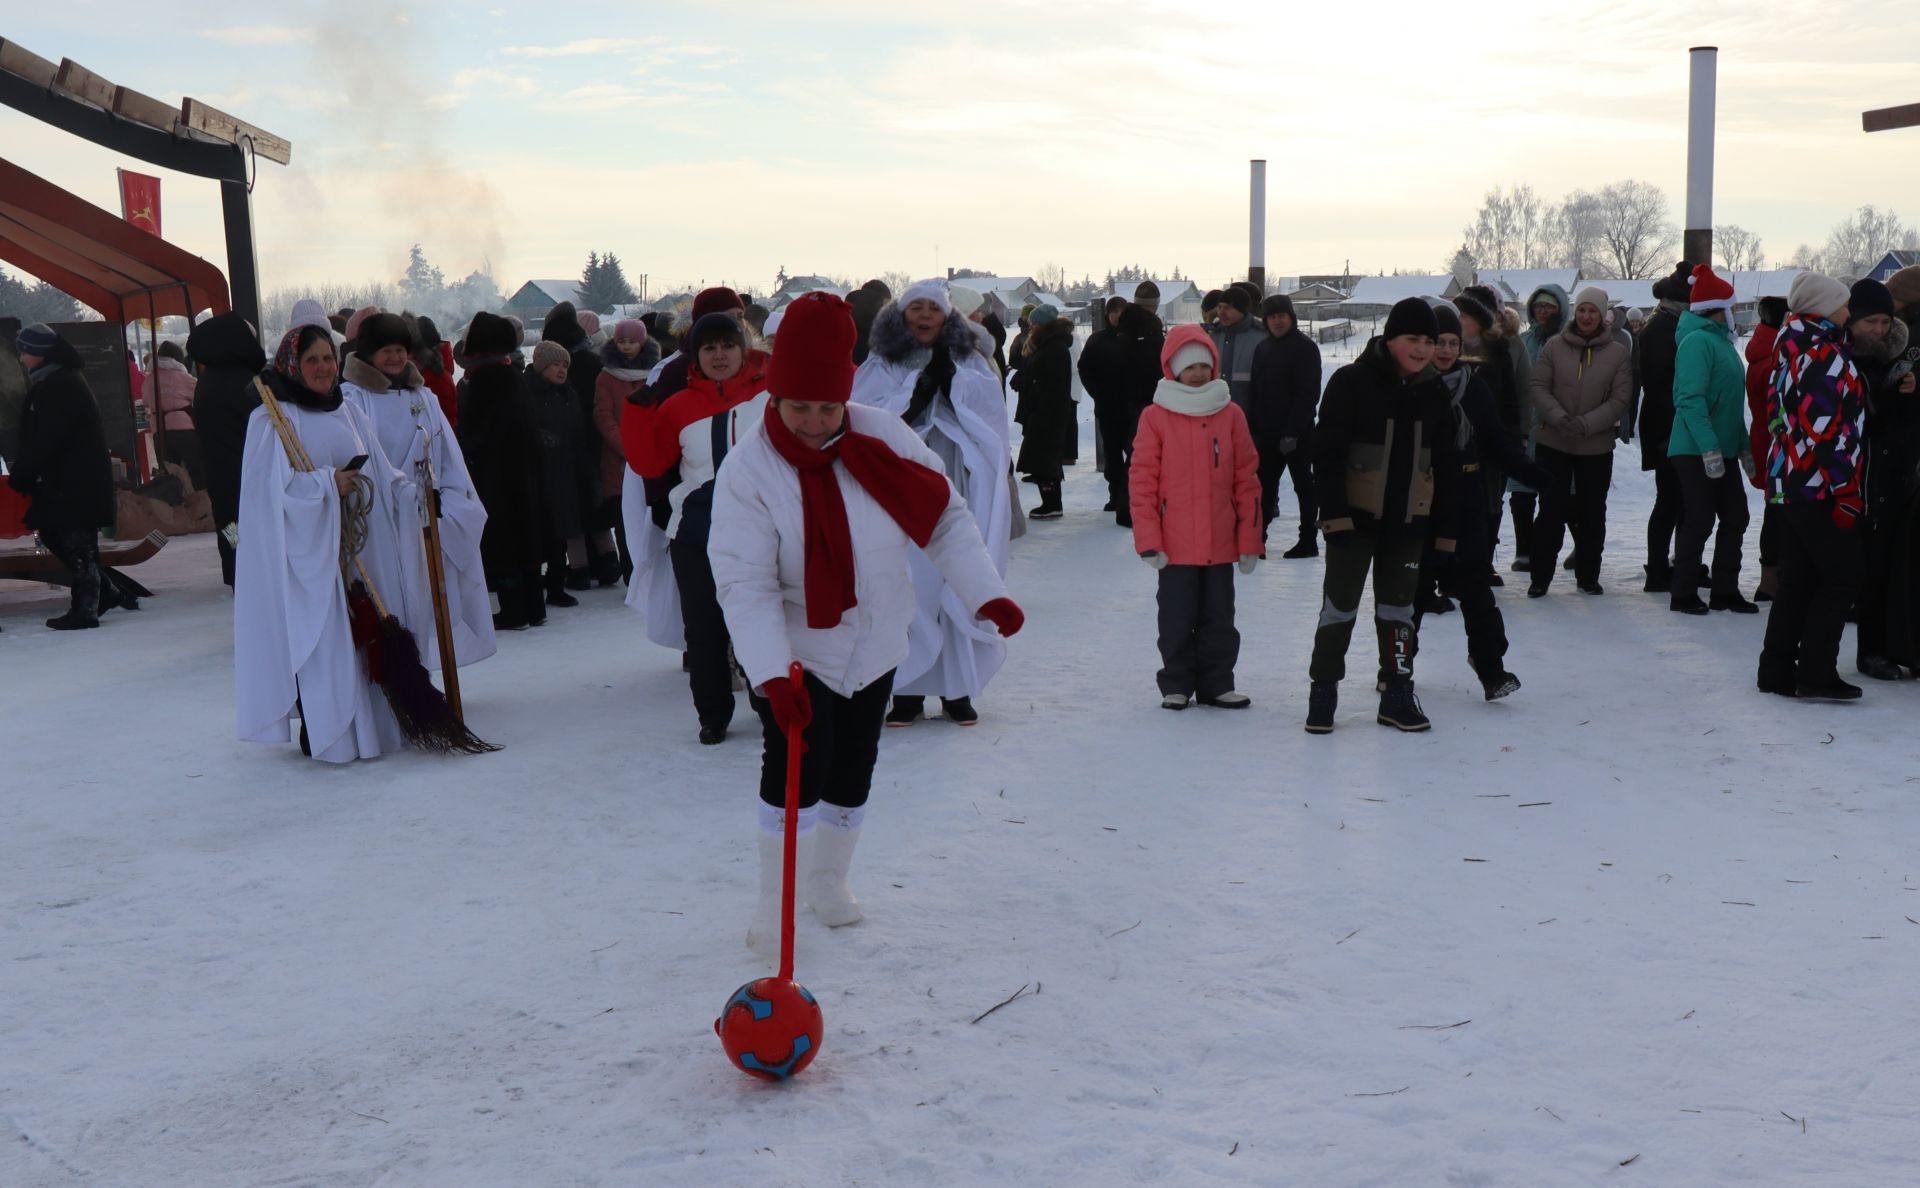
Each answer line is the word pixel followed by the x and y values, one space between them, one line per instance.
pixel 710 141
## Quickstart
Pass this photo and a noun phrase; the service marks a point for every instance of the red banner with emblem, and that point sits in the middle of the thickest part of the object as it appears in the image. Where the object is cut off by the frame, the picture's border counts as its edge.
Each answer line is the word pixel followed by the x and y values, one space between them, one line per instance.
pixel 140 200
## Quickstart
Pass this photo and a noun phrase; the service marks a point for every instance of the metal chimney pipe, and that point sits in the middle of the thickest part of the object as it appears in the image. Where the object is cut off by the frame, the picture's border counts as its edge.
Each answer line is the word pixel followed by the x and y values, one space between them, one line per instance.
pixel 1257 226
pixel 1704 61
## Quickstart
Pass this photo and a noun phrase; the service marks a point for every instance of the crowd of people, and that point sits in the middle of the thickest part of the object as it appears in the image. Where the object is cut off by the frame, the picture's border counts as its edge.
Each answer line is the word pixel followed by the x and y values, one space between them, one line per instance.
pixel 756 483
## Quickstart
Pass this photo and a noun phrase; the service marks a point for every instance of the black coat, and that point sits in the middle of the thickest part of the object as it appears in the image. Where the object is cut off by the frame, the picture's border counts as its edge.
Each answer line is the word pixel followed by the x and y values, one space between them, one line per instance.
pixel 1384 454
pixel 1141 337
pixel 1286 387
pixel 223 399
pixel 63 462
pixel 501 442
pixel 1045 410
pixel 569 465
pixel 1657 352
pixel 1102 370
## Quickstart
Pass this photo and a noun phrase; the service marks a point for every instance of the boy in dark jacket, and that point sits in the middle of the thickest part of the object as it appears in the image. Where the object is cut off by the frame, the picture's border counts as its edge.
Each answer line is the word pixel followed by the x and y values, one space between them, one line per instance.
pixel 63 467
pixel 1384 474
pixel 1286 390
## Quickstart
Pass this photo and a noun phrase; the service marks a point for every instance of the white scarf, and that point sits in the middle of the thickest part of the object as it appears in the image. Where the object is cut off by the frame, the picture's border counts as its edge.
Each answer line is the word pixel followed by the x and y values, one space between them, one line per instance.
pixel 1203 401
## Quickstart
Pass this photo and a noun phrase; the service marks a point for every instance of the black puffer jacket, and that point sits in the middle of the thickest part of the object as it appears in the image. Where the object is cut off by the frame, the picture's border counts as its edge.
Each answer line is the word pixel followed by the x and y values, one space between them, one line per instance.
pixel 1384 454
pixel 223 399
pixel 1658 349
pixel 1286 388
pixel 63 464
pixel 1141 337
pixel 1045 409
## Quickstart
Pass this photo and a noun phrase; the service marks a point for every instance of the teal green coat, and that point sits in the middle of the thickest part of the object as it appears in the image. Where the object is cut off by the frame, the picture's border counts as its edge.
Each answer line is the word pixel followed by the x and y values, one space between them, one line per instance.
pixel 1709 391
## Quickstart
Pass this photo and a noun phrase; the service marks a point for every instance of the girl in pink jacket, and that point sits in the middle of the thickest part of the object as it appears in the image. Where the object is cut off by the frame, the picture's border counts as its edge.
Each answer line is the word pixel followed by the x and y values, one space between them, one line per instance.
pixel 1195 494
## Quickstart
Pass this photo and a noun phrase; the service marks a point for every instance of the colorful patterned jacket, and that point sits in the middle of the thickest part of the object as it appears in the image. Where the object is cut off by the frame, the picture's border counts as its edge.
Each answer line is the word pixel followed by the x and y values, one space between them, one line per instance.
pixel 1816 401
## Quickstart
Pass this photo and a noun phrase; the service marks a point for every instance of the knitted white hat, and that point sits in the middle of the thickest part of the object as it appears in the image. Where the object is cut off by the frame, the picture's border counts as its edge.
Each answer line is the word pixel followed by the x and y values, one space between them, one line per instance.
pixel 932 289
pixel 1812 293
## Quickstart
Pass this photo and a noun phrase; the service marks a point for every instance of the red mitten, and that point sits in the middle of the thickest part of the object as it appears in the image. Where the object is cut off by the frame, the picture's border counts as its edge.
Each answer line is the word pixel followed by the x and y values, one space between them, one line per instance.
pixel 792 705
pixel 1004 614
pixel 1848 507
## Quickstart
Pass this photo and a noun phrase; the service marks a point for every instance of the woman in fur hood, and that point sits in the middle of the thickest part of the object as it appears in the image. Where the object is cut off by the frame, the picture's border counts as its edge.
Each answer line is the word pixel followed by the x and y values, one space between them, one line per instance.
pixel 925 365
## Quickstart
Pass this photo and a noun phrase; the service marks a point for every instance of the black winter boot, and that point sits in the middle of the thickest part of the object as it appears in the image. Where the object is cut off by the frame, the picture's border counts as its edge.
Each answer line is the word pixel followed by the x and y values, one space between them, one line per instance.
pixel 1400 709
pixel 1308 547
pixel 1322 700
pixel 906 710
pixel 1049 508
pixel 959 710
pixel 1659 578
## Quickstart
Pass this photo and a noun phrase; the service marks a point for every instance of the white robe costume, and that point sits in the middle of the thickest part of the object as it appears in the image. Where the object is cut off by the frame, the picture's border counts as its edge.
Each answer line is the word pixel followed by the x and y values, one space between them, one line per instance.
pixel 291 637
pixel 411 427
pixel 651 592
pixel 951 653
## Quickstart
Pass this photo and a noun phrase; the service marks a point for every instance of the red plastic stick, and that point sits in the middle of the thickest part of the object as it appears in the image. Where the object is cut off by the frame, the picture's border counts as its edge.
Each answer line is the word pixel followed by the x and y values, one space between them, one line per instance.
pixel 795 675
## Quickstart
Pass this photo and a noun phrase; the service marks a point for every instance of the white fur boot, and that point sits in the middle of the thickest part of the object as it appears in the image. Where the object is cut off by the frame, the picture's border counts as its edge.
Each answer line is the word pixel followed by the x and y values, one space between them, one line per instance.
pixel 763 935
pixel 826 888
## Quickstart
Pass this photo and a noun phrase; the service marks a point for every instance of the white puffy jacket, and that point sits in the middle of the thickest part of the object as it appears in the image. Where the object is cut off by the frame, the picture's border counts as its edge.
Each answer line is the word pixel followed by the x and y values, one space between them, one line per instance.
pixel 758 551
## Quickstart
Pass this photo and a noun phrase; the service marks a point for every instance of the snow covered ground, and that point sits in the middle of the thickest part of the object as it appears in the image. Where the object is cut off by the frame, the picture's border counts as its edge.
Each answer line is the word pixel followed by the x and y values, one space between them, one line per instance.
pixel 1638 924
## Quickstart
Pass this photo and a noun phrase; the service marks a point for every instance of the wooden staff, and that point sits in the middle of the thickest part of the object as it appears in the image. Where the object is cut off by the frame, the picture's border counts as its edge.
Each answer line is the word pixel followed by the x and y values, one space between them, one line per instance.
pixel 437 582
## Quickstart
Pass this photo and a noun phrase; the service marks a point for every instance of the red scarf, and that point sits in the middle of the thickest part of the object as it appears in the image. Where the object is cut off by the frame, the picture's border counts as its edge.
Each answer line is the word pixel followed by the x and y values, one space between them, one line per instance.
pixel 913 494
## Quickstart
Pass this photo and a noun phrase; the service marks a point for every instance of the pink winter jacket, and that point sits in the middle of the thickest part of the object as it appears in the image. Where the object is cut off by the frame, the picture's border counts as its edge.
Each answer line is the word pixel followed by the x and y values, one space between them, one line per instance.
pixel 1194 484
pixel 175 385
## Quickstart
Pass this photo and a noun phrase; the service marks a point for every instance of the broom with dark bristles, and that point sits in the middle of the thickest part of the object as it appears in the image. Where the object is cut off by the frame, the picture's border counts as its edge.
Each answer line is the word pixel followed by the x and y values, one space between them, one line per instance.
pixel 393 656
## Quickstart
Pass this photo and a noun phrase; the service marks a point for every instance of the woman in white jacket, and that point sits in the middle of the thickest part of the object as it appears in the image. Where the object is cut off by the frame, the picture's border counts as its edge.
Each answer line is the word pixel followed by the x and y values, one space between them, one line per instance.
pixel 815 516
pixel 927 366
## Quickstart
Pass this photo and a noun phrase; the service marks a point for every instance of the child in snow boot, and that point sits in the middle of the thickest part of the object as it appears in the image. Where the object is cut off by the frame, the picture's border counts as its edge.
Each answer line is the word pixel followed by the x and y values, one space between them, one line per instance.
pixel 1385 473
pixel 1194 488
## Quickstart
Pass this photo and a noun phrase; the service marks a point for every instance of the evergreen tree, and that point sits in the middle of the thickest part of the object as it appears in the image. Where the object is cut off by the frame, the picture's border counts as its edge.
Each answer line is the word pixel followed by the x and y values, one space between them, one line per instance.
pixel 36 302
pixel 603 284
pixel 421 280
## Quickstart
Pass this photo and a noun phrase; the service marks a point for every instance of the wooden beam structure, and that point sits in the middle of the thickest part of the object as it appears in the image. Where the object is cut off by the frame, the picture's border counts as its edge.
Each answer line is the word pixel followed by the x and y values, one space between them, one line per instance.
pixel 1885 119
pixel 218 124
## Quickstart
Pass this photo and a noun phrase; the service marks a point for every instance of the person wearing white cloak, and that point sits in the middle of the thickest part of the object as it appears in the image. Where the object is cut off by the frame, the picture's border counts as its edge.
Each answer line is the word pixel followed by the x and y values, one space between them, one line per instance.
pixel 382 382
pixel 293 647
pixel 815 515
pixel 924 363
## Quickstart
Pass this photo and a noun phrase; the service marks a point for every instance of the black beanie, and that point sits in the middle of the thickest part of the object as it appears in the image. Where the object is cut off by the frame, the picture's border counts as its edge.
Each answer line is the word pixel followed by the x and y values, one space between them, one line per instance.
pixel 1210 300
pixel 716 327
pixel 1411 316
pixel 1446 321
pixel 1236 297
pixel 1869 297
pixel 1279 303
pixel 491 334
pixel 381 330
pixel 1674 286
pixel 1473 308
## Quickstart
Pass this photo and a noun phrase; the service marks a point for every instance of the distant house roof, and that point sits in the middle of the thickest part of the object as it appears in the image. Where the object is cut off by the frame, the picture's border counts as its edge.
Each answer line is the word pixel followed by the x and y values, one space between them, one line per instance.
pixel 1893 262
pixel 553 291
pixel 796 285
pixel 1317 292
pixel 1752 286
pixel 1635 294
pixel 1170 290
pixel 1517 284
pixel 1391 290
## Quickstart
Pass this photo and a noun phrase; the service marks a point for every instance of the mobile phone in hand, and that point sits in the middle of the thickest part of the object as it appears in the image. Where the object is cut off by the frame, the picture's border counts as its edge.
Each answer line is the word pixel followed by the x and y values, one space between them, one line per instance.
pixel 357 463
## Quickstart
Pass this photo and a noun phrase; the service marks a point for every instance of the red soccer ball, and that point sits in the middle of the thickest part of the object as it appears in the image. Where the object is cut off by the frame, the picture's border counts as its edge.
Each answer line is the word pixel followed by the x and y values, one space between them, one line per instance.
pixel 771 1028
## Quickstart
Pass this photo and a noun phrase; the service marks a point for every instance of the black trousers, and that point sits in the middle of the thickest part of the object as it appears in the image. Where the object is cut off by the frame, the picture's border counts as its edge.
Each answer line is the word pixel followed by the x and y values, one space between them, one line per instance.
pixel 1878 537
pixel 1669 504
pixel 611 507
pixel 1820 565
pixel 1770 534
pixel 709 662
pixel 1578 496
pixel 1117 426
pixel 1524 504
pixel 1704 500
pixel 1199 644
pixel 1466 576
pixel 1394 562
pixel 1298 464
pixel 79 550
pixel 842 743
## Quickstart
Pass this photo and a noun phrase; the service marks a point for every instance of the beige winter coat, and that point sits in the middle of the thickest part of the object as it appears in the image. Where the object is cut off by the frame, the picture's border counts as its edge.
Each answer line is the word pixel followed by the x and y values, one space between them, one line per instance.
pixel 1582 389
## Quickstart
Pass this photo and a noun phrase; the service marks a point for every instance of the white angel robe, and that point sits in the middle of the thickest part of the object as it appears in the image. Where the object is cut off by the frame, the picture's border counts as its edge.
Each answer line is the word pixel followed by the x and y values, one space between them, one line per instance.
pixel 291 637
pixel 411 427
pixel 651 591
pixel 951 653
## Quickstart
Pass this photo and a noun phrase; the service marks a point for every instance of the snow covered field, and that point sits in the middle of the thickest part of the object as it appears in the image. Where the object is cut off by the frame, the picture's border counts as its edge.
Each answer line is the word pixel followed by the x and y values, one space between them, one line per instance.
pixel 1638 924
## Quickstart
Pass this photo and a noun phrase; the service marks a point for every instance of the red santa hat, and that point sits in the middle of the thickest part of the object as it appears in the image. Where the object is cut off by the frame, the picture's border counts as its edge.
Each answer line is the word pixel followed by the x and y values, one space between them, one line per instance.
pixel 813 357
pixel 1707 292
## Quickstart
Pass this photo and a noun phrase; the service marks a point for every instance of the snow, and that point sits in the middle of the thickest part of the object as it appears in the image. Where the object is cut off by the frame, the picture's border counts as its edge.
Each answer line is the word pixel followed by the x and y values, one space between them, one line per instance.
pixel 1672 917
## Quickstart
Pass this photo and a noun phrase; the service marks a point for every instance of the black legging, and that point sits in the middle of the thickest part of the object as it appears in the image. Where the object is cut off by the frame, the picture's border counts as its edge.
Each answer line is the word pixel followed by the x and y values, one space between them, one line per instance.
pixel 709 665
pixel 1669 505
pixel 842 741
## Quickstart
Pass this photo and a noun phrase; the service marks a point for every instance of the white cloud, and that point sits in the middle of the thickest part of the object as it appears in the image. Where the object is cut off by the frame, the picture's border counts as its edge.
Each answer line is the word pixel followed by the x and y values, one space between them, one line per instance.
pixel 259 34
pixel 585 47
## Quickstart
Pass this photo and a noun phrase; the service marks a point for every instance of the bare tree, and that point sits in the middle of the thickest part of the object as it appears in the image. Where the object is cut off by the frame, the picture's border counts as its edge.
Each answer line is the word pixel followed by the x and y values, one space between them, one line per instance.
pixel 1636 231
pixel 1858 243
pixel 1573 237
pixel 1051 278
pixel 1740 249
pixel 1805 257
pixel 896 282
pixel 1507 232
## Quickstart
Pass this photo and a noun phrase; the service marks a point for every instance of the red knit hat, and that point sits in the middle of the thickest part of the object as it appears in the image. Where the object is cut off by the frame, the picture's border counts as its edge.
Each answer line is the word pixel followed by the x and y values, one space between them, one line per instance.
pixel 1707 292
pixel 813 356
pixel 718 299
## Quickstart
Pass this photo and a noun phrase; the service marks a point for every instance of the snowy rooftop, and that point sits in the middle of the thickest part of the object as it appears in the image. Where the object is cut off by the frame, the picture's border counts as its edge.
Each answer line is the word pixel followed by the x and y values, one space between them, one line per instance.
pixel 1637 294
pixel 1772 282
pixel 559 290
pixel 1517 284
pixel 1391 290
pixel 1170 290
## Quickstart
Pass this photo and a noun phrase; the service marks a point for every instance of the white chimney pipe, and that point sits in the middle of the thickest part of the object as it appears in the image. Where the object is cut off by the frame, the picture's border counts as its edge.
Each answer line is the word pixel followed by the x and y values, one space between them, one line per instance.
pixel 1704 61
pixel 1257 226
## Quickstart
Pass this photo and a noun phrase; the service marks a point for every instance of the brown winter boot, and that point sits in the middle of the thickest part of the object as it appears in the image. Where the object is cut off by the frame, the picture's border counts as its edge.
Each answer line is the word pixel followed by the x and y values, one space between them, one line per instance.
pixel 1769 583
